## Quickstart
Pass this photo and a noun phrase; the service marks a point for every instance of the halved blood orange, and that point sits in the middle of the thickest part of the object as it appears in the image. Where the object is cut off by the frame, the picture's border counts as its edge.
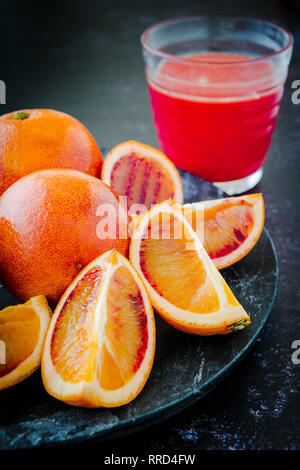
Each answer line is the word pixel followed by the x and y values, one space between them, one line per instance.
pixel 232 226
pixel 100 345
pixel 22 333
pixel 142 174
pixel 184 285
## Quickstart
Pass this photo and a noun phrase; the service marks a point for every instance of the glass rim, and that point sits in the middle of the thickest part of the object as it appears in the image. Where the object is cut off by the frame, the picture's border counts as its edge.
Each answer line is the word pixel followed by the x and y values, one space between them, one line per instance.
pixel 146 44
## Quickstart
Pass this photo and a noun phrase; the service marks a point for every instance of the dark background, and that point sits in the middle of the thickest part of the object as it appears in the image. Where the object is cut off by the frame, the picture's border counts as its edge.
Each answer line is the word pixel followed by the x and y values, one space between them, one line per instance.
pixel 84 58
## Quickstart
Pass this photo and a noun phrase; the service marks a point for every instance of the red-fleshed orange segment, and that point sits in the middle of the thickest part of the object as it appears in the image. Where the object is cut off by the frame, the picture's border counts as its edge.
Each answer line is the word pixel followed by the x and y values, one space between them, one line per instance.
pixel 142 180
pixel 142 174
pixel 100 345
pixel 72 339
pixel 184 285
pixel 164 257
pixel 232 226
pixel 22 333
pixel 226 227
pixel 126 333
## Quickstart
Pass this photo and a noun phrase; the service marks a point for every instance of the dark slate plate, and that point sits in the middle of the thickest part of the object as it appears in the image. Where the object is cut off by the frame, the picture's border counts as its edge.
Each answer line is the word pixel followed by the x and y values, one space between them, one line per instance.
pixel 185 368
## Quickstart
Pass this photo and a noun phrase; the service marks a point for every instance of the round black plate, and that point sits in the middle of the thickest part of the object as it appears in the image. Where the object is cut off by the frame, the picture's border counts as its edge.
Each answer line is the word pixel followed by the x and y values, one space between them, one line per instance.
pixel 185 368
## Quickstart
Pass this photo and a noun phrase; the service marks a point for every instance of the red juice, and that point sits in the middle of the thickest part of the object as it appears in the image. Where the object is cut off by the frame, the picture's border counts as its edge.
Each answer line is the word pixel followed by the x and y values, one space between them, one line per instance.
pixel 215 121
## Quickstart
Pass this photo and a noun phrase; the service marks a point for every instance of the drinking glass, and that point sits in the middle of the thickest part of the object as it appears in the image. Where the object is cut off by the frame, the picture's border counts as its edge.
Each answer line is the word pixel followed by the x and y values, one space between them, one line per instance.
pixel 215 87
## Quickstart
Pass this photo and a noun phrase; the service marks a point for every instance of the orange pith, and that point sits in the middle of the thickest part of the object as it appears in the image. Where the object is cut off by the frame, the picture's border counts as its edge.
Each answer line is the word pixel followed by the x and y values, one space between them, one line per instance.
pixel 232 226
pixel 142 180
pixel 142 174
pixel 185 287
pixel 22 331
pixel 98 351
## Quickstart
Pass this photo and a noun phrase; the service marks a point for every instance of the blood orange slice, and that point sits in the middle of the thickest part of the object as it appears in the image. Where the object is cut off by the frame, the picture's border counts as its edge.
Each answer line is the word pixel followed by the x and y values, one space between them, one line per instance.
pixel 232 226
pixel 100 345
pixel 142 174
pixel 185 287
pixel 22 333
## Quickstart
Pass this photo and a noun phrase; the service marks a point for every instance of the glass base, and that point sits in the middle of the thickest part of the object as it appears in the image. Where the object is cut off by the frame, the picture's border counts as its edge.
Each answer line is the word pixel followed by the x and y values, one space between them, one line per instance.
pixel 241 185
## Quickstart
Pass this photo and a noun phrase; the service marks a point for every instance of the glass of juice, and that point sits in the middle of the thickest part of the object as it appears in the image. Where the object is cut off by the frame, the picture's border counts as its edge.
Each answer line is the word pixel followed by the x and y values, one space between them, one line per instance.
pixel 215 87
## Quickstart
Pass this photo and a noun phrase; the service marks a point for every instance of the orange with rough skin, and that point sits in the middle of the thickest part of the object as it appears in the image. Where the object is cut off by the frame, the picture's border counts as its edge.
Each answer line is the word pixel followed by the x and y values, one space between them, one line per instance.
pixel 51 227
pixel 38 139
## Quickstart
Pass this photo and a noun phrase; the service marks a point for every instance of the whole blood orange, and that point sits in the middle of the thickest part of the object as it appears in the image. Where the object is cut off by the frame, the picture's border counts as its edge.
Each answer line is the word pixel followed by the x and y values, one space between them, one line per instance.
pixel 53 223
pixel 38 139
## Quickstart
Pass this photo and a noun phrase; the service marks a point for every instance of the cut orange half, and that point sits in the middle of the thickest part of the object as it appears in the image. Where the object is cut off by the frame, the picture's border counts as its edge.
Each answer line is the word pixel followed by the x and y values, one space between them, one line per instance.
pixel 142 174
pixel 232 226
pixel 184 285
pixel 100 345
pixel 22 332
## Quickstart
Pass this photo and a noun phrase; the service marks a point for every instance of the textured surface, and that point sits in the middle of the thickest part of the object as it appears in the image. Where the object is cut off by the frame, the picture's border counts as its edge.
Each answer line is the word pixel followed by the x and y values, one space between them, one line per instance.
pixel 45 239
pixel 185 368
pixel 86 61
pixel 39 141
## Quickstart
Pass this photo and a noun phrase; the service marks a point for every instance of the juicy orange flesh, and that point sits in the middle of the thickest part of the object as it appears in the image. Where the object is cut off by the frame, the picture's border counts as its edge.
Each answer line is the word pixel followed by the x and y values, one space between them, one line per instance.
pixel 19 331
pixel 126 331
pixel 226 226
pixel 142 180
pixel 173 268
pixel 230 297
pixel 73 344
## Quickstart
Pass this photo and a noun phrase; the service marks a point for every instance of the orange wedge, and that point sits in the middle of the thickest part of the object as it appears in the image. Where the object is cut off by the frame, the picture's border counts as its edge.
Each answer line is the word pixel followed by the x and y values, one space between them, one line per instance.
pixel 100 345
pixel 231 228
pixel 184 285
pixel 142 174
pixel 22 332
